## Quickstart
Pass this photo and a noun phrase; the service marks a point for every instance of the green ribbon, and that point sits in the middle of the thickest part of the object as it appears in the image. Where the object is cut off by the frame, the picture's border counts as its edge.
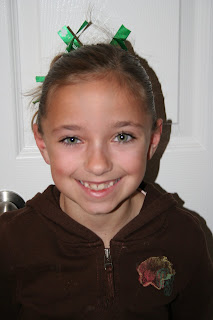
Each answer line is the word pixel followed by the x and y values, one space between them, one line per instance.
pixel 73 42
pixel 70 38
pixel 34 102
pixel 40 79
pixel 120 37
pixel 65 35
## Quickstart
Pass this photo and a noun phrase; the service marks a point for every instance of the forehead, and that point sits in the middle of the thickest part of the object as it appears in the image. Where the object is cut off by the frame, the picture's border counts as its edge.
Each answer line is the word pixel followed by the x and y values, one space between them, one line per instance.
pixel 104 99
pixel 124 82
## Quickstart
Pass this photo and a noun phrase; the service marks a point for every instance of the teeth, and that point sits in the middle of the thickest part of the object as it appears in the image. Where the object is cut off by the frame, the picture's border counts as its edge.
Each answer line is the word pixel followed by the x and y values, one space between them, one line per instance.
pixel 98 187
pixel 93 186
pixel 111 183
pixel 101 186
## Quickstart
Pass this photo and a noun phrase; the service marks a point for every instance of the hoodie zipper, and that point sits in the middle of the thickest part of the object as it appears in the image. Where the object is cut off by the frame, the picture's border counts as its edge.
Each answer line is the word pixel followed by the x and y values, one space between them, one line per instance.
pixel 108 266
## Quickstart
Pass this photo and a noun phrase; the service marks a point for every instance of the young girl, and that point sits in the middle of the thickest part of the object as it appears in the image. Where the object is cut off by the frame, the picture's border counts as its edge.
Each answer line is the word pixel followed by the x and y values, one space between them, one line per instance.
pixel 101 244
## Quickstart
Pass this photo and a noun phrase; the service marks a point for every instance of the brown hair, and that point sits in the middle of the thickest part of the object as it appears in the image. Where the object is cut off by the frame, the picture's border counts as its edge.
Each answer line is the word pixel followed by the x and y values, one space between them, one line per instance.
pixel 94 62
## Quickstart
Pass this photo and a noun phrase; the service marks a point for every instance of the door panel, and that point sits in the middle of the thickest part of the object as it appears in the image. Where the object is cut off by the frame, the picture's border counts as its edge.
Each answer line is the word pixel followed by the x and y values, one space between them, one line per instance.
pixel 175 37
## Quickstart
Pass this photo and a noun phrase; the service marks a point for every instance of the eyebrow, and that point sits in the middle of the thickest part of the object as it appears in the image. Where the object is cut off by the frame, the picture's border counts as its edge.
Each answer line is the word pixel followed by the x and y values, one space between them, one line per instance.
pixel 120 124
pixel 72 127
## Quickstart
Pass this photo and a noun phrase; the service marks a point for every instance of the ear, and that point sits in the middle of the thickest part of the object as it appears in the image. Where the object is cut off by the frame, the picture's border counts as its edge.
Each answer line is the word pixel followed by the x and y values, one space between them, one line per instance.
pixel 41 143
pixel 155 139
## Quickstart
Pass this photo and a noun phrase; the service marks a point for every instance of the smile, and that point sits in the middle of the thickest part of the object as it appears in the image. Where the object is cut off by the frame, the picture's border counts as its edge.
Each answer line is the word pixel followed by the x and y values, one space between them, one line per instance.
pixel 99 186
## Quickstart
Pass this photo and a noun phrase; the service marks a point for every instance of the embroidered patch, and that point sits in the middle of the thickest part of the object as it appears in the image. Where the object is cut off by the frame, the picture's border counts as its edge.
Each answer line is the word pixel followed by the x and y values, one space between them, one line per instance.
pixel 158 272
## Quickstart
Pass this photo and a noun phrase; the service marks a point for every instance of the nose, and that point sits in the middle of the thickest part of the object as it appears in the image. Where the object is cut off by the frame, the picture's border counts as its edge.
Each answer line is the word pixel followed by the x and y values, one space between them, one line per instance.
pixel 98 161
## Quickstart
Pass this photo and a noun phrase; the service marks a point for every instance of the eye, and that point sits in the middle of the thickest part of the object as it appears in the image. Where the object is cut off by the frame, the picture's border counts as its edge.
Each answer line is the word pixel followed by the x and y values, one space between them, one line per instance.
pixel 123 137
pixel 70 141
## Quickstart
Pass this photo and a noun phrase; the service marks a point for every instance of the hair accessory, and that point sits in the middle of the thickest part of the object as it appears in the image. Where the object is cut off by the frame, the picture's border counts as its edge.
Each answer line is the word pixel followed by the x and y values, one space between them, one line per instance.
pixel 34 102
pixel 70 38
pixel 40 79
pixel 73 42
pixel 120 37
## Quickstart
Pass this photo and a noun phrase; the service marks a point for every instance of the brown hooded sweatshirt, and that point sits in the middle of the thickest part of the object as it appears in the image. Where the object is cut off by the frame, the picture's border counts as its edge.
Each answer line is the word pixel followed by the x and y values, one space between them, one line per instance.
pixel 51 267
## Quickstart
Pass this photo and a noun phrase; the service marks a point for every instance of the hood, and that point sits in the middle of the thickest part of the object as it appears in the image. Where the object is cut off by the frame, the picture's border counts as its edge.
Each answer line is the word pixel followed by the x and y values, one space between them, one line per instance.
pixel 151 218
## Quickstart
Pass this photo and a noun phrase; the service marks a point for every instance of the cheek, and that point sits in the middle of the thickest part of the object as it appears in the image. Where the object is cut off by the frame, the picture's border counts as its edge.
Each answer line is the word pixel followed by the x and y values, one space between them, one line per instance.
pixel 62 163
pixel 134 162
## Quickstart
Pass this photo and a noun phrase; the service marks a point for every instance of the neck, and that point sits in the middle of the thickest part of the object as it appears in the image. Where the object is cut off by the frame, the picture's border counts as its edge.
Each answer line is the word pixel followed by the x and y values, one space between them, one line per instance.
pixel 106 226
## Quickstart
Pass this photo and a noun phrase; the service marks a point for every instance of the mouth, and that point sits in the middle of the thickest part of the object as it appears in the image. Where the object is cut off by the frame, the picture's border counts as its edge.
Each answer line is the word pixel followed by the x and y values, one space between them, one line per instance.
pixel 99 186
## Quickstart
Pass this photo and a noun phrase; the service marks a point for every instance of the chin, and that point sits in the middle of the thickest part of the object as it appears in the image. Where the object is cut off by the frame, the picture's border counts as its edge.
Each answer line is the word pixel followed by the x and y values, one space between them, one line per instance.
pixel 98 211
pixel 101 209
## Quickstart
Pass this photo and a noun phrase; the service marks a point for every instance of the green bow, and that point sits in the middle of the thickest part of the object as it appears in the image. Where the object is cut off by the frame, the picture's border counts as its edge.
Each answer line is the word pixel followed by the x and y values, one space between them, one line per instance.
pixel 120 37
pixel 40 79
pixel 70 38
pixel 74 43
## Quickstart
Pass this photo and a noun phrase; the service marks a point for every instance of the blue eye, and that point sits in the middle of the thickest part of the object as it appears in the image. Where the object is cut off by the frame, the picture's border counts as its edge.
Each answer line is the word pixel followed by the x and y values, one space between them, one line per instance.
pixel 71 140
pixel 123 137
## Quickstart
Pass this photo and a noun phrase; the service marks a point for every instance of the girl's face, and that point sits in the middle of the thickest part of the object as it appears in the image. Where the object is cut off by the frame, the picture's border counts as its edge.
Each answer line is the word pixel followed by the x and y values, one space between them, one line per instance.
pixel 97 139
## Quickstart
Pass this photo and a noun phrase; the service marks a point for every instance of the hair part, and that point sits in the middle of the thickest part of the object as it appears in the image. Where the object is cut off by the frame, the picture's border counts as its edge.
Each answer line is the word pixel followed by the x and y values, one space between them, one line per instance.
pixel 93 62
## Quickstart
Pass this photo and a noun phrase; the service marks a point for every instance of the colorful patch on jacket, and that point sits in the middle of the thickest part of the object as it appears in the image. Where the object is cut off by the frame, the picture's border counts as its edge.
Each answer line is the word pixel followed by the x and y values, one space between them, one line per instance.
pixel 158 272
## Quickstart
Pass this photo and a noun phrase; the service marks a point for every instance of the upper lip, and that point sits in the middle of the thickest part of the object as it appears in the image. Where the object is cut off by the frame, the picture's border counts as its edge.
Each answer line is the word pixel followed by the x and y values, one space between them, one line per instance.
pixel 99 182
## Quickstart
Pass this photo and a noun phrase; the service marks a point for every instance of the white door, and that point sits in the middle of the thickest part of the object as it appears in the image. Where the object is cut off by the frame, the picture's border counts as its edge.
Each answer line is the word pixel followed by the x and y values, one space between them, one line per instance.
pixel 175 37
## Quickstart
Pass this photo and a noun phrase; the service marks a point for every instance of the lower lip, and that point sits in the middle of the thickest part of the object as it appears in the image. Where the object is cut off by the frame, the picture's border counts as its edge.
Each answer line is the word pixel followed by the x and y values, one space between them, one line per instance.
pixel 99 193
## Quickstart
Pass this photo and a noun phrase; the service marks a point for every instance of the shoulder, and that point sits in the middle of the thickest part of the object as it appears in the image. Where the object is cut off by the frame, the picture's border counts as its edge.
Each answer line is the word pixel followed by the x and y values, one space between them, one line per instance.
pixel 184 222
pixel 18 225
pixel 13 227
pixel 184 231
pixel 186 243
pixel 13 218
pixel 25 231
pixel 19 216
pixel 182 227
pixel 179 217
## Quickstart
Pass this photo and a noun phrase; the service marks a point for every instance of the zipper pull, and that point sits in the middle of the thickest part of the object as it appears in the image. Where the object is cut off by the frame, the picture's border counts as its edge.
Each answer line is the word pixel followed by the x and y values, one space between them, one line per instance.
pixel 107 259
pixel 109 277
